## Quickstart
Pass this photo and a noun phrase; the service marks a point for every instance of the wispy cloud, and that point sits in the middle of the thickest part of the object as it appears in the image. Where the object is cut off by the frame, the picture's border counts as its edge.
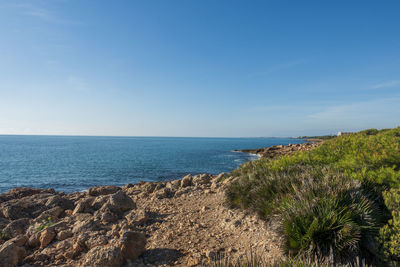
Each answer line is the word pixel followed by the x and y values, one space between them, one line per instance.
pixel 278 67
pixel 39 12
pixel 374 112
pixel 387 84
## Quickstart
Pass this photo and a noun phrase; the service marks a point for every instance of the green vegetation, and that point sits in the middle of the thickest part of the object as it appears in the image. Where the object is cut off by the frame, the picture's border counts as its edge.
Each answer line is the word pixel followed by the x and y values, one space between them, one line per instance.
pixel 340 200
pixel 45 224
pixel 390 233
pixel 322 137
pixel 254 261
pixel 4 236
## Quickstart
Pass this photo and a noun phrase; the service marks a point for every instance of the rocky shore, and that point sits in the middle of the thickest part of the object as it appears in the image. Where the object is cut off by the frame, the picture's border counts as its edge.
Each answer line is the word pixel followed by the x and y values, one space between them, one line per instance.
pixel 280 150
pixel 177 223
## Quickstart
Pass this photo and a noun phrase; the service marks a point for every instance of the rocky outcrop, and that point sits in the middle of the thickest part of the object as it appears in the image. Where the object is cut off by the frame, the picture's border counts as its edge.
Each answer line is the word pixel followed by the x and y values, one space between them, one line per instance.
pixel 46 228
pixel 280 150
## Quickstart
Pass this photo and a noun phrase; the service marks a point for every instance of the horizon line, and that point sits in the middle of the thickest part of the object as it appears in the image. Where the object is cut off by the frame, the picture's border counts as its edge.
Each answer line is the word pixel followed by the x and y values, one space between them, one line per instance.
pixel 161 136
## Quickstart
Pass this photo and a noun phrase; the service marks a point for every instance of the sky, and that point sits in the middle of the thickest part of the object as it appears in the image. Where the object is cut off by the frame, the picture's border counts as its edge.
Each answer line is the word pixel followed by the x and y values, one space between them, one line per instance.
pixel 225 68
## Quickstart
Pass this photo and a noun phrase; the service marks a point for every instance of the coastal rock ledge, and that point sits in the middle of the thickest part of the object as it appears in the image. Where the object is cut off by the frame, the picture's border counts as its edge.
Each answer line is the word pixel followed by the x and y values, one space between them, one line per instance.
pixel 183 222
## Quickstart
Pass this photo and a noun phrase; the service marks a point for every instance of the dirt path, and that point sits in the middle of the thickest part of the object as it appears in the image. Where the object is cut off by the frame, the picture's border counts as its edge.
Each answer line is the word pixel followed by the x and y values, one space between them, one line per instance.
pixel 196 227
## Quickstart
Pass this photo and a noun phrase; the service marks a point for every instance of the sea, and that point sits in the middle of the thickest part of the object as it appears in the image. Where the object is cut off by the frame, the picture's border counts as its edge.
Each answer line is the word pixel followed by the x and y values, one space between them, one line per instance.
pixel 75 163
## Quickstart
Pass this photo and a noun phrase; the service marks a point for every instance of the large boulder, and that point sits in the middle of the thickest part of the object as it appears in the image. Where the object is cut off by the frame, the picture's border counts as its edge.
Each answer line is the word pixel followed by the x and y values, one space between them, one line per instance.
pixel 17 227
pixel 50 214
pixel 132 245
pixel 56 200
pixel 13 212
pixel 84 205
pixel 106 215
pixel 120 202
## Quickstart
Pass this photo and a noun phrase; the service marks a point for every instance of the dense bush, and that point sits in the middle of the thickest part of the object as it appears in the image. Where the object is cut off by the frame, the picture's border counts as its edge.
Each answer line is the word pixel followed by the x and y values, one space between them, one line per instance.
pixel 329 215
pixel 390 233
pixel 332 194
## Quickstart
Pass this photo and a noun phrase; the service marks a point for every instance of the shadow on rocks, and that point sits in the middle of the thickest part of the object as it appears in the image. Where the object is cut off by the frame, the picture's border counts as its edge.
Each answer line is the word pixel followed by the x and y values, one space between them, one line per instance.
pixel 156 217
pixel 158 256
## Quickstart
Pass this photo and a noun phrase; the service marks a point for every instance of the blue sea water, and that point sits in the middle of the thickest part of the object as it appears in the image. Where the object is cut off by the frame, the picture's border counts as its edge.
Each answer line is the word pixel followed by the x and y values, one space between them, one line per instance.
pixel 75 163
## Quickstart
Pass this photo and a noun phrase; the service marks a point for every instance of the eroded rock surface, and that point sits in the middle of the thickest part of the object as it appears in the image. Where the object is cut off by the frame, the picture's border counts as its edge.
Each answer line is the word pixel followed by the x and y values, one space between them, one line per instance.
pixel 46 228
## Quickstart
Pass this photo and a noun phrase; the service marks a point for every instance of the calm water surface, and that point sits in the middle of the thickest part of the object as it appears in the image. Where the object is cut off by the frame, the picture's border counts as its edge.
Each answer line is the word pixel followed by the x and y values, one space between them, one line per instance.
pixel 75 163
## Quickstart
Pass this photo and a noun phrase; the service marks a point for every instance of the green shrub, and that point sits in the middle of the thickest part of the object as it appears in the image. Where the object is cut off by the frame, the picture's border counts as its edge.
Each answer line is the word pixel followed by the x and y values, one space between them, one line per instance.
pixel 45 224
pixel 329 215
pixel 370 131
pixel 368 163
pixel 390 233
pixel 254 261
pixel 4 236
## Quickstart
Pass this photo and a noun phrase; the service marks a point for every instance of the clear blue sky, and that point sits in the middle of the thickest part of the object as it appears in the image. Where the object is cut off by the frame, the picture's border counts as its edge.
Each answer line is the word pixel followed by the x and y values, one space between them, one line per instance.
pixel 198 68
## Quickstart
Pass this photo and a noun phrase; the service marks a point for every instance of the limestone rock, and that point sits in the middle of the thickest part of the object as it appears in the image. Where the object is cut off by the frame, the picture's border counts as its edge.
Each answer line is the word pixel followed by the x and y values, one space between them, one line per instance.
pixel 62 235
pixel 33 240
pixel 132 244
pixel 52 213
pixel 96 240
pixel 149 187
pixel 164 193
pixel 11 254
pixel 182 191
pixel 46 237
pixel 19 240
pixel 120 202
pixel 20 192
pixel 186 181
pixel 17 227
pixel 174 185
pixel 110 256
pixel 201 179
pixel 103 190
pixel 138 217
pixel 105 215
pixel 56 200
pixel 14 212
pixel 84 226
pixel 84 205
